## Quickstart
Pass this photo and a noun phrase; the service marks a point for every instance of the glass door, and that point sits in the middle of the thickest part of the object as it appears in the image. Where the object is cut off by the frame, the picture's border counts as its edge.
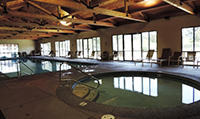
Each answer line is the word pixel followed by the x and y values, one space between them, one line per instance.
pixel 117 41
pixel 145 44
pixel 127 47
pixel 137 46
pixel 85 48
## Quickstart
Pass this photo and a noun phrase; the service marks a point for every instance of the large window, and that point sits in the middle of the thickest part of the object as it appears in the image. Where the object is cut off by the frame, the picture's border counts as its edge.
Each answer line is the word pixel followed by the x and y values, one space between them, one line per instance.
pixel 45 48
pixel 8 50
pixel 89 48
pixel 62 48
pixel 191 40
pixel 134 46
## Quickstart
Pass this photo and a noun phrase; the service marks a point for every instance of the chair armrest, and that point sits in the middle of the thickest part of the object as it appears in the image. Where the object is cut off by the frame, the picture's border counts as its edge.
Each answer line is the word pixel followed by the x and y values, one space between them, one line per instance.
pixel 179 58
pixel 169 57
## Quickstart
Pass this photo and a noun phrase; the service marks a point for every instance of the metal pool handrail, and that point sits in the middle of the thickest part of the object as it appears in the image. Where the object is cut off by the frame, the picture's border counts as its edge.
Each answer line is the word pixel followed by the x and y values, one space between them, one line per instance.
pixel 19 75
pixel 92 77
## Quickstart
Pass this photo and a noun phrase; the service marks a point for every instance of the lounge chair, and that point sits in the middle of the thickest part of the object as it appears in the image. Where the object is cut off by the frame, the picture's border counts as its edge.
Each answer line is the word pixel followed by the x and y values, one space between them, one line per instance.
pixel 92 56
pixel 163 60
pixel 177 58
pixel 147 59
pixel 114 55
pixel 69 54
pixel 191 57
pixel 19 54
pixel 24 54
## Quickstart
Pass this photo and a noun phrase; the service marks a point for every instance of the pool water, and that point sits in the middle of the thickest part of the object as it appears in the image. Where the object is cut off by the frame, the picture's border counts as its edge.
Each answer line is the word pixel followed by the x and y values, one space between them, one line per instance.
pixel 144 91
pixel 9 67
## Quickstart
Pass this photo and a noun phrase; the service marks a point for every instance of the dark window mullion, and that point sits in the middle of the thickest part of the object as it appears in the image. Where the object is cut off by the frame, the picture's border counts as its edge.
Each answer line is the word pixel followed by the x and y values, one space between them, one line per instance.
pixel 193 38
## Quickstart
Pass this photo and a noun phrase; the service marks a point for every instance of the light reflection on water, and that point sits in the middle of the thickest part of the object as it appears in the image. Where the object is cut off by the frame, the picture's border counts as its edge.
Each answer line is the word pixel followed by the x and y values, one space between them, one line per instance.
pixel 9 67
pixel 137 91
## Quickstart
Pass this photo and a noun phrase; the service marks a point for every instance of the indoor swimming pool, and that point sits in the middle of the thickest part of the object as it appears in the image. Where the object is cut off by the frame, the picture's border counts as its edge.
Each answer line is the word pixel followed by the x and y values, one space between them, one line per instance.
pixel 135 90
pixel 37 66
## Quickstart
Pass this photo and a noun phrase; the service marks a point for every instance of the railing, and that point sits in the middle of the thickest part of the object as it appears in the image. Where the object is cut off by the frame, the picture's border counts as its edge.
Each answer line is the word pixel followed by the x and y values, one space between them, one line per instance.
pixel 19 74
pixel 92 77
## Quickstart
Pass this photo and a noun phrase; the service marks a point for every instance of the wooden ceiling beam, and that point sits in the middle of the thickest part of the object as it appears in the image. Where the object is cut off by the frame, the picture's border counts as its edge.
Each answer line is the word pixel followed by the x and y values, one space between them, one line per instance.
pixel 13 5
pixel 53 31
pixel 51 18
pixel 38 30
pixel 97 10
pixel 180 5
pixel 45 26
pixel 21 38
pixel 39 7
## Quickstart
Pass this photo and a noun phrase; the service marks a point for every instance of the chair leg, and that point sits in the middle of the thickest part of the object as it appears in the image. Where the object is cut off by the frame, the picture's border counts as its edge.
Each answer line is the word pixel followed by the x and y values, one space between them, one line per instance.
pixel 193 64
pixel 168 62
pixel 161 63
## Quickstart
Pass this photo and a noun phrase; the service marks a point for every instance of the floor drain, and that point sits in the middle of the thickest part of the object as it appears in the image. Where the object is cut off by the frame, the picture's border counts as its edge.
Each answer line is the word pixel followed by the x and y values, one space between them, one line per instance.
pixel 107 116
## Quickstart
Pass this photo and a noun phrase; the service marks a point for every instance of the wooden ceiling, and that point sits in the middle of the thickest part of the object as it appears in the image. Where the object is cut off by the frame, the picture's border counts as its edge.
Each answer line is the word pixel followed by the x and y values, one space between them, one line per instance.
pixel 35 19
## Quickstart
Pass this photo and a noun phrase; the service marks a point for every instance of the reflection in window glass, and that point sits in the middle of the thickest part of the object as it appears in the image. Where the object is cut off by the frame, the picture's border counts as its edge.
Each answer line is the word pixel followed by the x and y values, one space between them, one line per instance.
pixel 121 82
pixel 8 66
pixel 100 81
pixel 116 82
pixel 187 94
pixel 154 87
pixel 138 84
pixel 63 67
pixel 128 83
pixel 46 65
pixel 146 86
pixel 196 95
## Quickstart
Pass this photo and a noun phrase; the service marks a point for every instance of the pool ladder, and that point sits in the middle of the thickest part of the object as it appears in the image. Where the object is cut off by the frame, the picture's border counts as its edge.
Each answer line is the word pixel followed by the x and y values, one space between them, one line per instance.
pixel 92 77
pixel 19 74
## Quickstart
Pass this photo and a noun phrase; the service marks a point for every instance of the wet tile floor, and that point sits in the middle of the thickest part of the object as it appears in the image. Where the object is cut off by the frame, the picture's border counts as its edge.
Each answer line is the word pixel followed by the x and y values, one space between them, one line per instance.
pixel 37 96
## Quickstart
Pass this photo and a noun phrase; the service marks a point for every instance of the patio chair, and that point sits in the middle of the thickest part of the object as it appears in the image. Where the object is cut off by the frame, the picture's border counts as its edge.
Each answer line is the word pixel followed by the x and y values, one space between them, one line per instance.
pixel 24 54
pixel 77 54
pixel 114 55
pixel 163 60
pixel 92 54
pixel 177 58
pixel 69 54
pixel 191 57
pixel 198 62
pixel 19 54
pixel 147 59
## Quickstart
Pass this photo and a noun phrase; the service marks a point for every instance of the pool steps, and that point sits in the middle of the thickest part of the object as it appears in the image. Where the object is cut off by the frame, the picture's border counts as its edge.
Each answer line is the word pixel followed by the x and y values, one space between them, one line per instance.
pixel 85 92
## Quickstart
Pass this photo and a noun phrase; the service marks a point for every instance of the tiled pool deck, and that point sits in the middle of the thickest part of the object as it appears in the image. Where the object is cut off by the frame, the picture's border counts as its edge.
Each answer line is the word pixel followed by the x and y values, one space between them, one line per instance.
pixel 41 97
